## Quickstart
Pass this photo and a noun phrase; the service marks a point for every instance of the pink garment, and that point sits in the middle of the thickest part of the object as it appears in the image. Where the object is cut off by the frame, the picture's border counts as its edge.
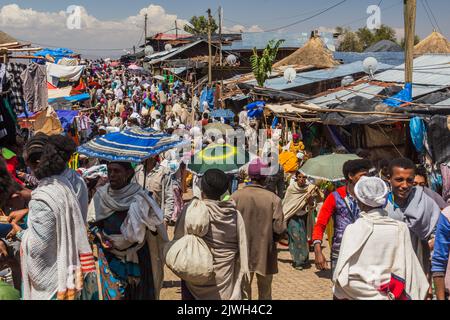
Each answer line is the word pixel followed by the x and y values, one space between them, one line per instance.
pixel 445 171
pixel 84 122
pixel 256 168
pixel 178 203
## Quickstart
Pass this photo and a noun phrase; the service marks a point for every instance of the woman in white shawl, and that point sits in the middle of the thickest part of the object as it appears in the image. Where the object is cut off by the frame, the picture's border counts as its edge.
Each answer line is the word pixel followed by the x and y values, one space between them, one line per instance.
pixel 377 260
pixel 128 224
pixel 56 258
pixel 298 205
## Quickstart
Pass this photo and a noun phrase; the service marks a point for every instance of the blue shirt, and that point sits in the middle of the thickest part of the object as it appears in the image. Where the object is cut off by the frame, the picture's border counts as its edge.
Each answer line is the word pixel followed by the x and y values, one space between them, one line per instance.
pixel 441 246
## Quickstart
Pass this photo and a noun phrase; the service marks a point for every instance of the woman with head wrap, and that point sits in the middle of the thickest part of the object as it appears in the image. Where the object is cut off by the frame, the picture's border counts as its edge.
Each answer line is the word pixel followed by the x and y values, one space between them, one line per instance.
pixel 128 225
pixel 57 261
pixel 298 205
pixel 376 259
pixel 226 240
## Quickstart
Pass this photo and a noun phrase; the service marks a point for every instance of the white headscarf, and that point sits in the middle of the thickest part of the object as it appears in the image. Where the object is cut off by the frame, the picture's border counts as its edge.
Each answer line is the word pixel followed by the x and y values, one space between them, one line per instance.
pixel 372 191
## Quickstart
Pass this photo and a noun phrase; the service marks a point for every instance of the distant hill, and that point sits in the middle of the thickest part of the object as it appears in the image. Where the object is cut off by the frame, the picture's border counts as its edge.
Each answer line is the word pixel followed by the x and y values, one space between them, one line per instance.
pixel 384 46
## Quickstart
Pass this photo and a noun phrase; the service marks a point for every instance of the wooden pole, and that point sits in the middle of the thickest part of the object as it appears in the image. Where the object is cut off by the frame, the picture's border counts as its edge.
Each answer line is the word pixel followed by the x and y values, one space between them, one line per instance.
pixel 176 29
pixel 145 29
pixel 410 26
pixel 209 48
pixel 220 34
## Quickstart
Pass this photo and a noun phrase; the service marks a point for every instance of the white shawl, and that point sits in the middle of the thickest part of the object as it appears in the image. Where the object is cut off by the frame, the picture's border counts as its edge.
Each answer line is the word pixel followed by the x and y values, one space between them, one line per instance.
pixel 50 268
pixel 143 211
pixel 373 249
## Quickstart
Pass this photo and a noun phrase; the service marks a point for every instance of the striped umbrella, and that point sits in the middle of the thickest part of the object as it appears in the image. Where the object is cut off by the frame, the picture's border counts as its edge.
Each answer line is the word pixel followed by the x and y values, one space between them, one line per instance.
pixel 224 157
pixel 134 145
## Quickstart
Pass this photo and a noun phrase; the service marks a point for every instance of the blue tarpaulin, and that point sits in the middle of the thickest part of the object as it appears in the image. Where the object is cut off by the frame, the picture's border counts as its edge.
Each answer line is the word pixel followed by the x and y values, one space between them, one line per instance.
pixel 256 109
pixel 208 96
pixel 57 54
pixel 400 98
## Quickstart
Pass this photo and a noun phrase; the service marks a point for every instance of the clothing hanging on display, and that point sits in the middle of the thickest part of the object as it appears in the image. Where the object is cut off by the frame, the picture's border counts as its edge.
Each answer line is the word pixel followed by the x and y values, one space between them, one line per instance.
pixel 13 84
pixel 35 89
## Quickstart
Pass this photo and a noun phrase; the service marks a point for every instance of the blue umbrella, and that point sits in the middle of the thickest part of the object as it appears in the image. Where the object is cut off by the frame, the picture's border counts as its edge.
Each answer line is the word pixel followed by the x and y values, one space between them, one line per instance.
pixel 134 145
pixel 222 113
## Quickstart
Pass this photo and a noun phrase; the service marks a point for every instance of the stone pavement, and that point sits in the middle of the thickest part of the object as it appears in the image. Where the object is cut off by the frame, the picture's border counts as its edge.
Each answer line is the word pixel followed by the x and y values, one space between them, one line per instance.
pixel 288 284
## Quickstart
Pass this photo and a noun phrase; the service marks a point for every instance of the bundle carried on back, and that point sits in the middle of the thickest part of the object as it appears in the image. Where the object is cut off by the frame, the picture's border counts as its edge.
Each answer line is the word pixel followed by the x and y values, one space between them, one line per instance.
pixel 189 257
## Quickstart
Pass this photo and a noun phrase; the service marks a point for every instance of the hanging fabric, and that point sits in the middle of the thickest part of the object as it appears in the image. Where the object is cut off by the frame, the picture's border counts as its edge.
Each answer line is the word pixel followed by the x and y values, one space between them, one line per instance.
pixel 7 126
pixel 14 85
pixel 35 90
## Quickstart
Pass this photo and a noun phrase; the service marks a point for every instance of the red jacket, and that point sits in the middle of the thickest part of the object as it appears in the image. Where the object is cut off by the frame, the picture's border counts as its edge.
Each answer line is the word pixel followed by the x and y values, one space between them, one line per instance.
pixel 325 214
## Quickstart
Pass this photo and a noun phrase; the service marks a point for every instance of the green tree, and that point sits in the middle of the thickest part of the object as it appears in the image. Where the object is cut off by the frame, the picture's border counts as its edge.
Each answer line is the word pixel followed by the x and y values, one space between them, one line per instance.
pixel 416 41
pixel 200 25
pixel 262 65
pixel 385 33
pixel 366 37
pixel 350 43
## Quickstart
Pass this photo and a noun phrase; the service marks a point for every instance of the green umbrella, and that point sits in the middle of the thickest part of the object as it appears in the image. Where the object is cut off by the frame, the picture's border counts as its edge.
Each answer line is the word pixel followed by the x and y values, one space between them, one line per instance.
pixel 218 126
pixel 328 167
pixel 224 157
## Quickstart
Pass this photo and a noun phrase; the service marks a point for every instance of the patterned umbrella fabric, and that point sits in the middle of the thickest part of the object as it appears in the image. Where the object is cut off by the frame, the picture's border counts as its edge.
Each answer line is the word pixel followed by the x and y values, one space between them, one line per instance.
pixel 328 167
pixel 224 157
pixel 218 126
pixel 134 145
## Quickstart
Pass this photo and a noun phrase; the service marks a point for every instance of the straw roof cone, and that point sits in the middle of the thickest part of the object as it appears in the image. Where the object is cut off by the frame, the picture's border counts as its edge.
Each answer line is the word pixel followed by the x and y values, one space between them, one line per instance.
pixel 6 38
pixel 434 43
pixel 312 53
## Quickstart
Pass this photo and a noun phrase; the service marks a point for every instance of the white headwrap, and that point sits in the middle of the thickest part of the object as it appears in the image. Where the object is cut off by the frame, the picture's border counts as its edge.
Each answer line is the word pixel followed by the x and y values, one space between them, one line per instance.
pixel 372 191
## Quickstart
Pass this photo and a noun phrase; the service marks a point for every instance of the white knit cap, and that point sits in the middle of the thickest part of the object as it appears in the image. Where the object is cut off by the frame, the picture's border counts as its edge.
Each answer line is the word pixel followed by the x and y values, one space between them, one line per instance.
pixel 372 191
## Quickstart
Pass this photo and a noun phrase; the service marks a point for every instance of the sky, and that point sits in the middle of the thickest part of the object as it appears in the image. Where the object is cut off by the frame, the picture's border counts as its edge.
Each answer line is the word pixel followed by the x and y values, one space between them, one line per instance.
pixel 110 28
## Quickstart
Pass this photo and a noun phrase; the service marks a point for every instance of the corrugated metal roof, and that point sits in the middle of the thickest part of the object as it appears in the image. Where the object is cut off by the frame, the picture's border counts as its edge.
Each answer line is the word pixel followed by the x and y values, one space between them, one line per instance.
pixel 176 70
pixel 364 90
pixel 443 103
pixel 305 78
pixel 392 58
pixel 175 52
pixel 429 70
pixel 259 40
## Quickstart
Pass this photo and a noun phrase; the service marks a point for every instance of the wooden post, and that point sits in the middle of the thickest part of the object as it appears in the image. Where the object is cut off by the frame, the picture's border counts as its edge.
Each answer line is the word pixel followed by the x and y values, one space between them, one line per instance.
pixel 209 48
pixel 410 26
pixel 145 30
pixel 220 34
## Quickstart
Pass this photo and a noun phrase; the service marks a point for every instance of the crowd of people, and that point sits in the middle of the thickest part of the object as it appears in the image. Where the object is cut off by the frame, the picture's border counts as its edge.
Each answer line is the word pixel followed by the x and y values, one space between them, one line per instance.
pixel 103 231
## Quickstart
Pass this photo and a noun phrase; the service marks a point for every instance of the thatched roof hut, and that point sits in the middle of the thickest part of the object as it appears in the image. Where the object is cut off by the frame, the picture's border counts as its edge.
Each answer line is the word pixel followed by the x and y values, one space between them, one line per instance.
pixel 434 43
pixel 312 53
pixel 6 38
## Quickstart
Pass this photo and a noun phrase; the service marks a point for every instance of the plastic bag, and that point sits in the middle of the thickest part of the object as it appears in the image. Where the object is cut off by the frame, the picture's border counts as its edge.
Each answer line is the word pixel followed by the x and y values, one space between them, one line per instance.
pixel 189 257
